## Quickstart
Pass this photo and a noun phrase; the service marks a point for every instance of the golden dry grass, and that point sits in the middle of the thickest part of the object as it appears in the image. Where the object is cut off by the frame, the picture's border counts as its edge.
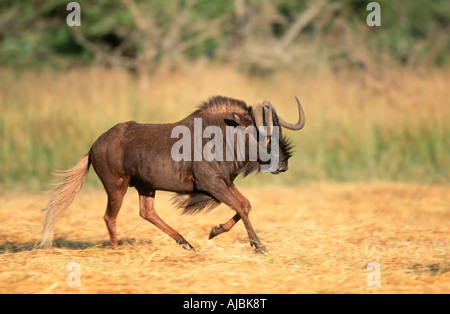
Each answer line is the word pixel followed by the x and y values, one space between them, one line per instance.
pixel 320 236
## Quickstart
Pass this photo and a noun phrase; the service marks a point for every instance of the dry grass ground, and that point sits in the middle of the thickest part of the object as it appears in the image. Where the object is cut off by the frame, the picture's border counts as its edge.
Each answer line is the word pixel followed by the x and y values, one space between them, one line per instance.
pixel 320 236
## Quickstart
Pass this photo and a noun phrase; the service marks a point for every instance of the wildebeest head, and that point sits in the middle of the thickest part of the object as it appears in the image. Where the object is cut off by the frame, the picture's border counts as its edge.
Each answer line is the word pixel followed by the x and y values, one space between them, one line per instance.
pixel 265 118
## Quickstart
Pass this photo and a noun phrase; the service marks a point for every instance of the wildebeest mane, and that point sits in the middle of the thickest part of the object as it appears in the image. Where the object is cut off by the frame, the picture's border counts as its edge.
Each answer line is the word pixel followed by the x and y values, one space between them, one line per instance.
pixel 221 104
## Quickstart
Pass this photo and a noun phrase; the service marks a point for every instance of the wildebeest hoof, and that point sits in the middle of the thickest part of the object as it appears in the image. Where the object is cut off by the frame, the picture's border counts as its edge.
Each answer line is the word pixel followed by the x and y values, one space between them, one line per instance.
pixel 188 247
pixel 261 249
pixel 215 231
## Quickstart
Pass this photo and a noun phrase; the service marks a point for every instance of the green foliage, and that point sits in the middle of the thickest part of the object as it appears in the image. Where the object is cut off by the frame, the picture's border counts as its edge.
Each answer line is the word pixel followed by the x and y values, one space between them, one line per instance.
pixel 35 32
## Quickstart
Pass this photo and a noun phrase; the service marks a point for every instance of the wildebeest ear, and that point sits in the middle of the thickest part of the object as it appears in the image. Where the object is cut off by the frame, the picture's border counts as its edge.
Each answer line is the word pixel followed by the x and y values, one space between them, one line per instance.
pixel 242 120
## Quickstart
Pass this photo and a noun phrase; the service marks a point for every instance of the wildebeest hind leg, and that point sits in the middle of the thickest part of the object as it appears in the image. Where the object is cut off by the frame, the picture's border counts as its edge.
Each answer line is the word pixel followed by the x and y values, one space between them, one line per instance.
pixel 147 211
pixel 115 199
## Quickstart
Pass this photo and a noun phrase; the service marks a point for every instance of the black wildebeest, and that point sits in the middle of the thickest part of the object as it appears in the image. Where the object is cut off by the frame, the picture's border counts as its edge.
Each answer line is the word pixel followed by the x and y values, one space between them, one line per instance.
pixel 140 155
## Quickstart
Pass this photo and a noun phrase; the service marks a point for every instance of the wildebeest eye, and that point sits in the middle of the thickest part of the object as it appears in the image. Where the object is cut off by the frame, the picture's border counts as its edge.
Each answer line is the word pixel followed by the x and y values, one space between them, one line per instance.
pixel 242 120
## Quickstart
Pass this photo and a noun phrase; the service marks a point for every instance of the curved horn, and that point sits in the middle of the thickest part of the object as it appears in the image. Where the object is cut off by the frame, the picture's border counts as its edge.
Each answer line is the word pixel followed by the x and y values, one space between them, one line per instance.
pixel 269 117
pixel 301 119
pixel 258 114
pixel 261 116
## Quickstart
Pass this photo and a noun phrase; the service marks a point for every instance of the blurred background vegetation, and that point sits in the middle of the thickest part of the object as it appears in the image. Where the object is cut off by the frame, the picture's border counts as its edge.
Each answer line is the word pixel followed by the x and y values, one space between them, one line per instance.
pixel 159 35
pixel 376 98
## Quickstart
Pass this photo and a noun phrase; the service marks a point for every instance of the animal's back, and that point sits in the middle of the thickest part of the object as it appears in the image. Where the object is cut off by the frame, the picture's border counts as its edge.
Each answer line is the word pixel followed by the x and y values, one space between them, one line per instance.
pixel 141 154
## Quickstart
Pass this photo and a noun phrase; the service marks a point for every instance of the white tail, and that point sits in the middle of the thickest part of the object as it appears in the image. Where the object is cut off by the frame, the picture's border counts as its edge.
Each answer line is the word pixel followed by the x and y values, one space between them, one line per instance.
pixel 62 196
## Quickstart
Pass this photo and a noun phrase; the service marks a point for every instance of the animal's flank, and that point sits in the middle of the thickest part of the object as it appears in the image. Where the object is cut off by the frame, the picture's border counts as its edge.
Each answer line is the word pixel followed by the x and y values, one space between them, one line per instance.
pixel 62 196
pixel 220 104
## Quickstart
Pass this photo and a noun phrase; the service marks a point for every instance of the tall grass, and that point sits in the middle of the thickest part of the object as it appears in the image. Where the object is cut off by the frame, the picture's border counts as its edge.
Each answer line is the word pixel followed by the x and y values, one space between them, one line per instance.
pixel 357 129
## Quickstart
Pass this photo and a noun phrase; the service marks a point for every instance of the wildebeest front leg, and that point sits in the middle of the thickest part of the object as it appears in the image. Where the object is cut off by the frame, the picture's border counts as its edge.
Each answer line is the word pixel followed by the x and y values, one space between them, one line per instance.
pixel 233 198
pixel 147 211
pixel 215 231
